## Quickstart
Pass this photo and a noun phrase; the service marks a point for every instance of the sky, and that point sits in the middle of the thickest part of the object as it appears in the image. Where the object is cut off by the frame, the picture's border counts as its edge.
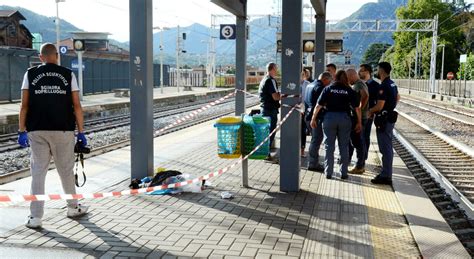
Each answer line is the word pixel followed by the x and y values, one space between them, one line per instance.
pixel 112 15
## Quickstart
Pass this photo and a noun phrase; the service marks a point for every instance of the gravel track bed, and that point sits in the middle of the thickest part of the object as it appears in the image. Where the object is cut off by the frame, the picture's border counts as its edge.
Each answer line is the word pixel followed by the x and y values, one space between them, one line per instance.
pixel 442 111
pixel 20 158
pixel 454 129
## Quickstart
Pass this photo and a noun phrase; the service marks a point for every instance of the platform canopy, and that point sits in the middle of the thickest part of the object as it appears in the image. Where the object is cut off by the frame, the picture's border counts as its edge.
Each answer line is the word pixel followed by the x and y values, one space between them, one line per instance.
pixel 235 7
pixel 319 6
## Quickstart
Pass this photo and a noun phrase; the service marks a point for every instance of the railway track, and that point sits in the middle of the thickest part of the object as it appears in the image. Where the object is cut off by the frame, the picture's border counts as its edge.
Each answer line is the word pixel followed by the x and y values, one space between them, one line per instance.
pixel 459 110
pixel 456 115
pixel 22 173
pixel 445 170
pixel 8 142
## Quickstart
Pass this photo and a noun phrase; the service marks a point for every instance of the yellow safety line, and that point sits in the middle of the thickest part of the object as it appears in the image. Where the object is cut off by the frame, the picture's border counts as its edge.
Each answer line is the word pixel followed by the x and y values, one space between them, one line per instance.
pixel 391 235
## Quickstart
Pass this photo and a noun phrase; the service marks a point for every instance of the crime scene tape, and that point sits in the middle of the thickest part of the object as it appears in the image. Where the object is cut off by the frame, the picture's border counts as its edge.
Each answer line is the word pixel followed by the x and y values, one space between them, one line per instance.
pixel 283 95
pixel 283 105
pixel 194 113
pixel 48 197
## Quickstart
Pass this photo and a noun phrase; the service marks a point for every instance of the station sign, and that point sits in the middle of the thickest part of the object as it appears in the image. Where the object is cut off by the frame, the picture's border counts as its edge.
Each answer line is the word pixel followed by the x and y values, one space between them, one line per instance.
pixel 228 32
pixel 90 45
pixel 334 42
pixel 63 50
pixel 75 65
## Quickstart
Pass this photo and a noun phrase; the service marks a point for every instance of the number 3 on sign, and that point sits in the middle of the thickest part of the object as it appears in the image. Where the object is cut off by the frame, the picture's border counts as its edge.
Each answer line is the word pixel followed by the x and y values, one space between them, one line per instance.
pixel 227 31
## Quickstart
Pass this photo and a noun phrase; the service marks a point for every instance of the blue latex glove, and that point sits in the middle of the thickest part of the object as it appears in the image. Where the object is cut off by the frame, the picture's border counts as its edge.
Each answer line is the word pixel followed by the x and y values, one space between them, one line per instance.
pixel 81 138
pixel 23 139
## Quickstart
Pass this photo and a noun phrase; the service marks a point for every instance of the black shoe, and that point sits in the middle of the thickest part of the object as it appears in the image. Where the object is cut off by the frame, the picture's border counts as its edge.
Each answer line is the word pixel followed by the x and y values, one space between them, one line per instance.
pixel 318 168
pixel 328 176
pixel 270 159
pixel 344 177
pixel 381 180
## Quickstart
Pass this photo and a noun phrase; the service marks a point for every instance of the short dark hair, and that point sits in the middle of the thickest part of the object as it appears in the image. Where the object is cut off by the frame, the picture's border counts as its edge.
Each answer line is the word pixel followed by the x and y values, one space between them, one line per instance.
pixel 367 67
pixel 271 66
pixel 48 49
pixel 387 68
pixel 331 65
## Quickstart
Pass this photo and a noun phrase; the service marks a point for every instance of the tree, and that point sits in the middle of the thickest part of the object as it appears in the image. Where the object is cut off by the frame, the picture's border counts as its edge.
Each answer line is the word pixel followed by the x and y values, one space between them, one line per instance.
pixel 449 34
pixel 374 53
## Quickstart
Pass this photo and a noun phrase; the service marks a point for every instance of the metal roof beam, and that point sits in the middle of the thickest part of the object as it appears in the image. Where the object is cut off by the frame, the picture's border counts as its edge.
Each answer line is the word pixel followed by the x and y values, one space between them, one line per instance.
pixel 319 6
pixel 235 7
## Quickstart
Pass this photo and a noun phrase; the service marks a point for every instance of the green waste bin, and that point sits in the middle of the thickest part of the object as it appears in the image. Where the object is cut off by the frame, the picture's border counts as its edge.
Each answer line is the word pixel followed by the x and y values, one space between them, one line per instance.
pixel 256 128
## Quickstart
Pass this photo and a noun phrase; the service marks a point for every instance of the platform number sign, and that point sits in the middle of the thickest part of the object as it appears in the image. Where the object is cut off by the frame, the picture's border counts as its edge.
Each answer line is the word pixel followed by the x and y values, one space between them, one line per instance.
pixel 227 32
pixel 63 49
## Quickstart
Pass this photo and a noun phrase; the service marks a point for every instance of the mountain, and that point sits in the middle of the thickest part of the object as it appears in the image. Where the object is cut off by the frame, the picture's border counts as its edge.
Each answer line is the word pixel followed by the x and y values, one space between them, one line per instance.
pixel 358 42
pixel 43 25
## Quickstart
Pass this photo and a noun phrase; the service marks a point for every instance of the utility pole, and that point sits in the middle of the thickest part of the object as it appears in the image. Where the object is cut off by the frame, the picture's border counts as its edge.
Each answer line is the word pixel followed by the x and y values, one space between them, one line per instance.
pixel 416 56
pixel 57 28
pixel 434 46
pixel 161 60
pixel 178 52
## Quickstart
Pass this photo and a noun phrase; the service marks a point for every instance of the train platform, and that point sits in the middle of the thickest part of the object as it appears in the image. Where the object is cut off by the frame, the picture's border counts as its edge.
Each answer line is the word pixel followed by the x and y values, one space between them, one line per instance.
pixel 116 103
pixel 326 219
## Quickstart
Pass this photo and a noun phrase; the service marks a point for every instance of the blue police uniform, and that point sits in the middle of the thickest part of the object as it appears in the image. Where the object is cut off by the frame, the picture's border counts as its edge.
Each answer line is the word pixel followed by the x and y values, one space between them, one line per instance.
pixel 338 100
pixel 268 106
pixel 313 91
pixel 374 88
pixel 388 92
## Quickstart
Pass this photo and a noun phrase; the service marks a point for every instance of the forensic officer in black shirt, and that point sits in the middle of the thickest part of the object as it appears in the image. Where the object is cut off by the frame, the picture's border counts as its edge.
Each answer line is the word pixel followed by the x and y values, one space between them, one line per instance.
pixel 313 91
pixel 388 98
pixel 365 73
pixel 270 98
pixel 50 108
pixel 338 98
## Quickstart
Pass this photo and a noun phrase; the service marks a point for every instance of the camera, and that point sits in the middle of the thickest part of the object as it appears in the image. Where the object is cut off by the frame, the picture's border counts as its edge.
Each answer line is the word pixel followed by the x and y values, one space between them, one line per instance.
pixel 79 149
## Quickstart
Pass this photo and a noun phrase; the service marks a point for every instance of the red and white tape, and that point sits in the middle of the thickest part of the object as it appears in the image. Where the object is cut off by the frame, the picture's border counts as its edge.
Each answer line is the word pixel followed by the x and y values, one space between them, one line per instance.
pixel 194 113
pixel 48 197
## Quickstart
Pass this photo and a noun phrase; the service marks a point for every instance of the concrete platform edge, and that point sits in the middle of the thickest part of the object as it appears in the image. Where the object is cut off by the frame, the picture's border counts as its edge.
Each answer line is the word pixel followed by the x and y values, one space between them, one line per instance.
pixel 434 237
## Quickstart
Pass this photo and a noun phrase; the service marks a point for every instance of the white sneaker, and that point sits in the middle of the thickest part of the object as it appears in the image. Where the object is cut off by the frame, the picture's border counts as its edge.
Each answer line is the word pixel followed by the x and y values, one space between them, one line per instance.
pixel 33 222
pixel 78 211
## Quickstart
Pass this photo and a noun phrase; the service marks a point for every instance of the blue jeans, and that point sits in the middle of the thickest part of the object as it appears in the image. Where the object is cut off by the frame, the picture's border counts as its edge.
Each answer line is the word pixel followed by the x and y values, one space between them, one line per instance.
pixel 384 139
pixel 358 143
pixel 273 114
pixel 367 130
pixel 316 140
pixel 336 125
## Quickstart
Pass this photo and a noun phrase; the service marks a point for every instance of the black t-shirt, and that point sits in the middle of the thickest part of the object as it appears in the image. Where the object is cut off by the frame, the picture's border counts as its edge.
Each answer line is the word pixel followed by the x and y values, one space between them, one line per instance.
pixel 268 86
pixel 388 92
pixel 338 98
pixel 374 88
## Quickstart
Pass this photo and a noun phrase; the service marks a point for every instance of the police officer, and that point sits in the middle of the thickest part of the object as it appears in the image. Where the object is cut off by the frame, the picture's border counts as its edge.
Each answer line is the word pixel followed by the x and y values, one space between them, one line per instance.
pixel 365 73
pixel 50 108
pixel 337 99
pixel 313 91
pixel 270 98
pixel 331 68
pixel 388 98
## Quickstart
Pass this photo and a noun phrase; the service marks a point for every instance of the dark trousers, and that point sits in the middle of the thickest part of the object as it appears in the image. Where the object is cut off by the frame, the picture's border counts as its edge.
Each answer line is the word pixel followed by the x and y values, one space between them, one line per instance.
pixel 367 130
pixel 304 130
pixel 384 139
pixel 358 144
pixel 336 125
pixel 273 114
pixel 317 137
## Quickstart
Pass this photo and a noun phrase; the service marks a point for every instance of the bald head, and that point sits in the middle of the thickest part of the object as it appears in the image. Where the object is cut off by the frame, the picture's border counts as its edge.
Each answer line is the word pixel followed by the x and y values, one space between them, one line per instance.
pixel 352 75
pixel 49 53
